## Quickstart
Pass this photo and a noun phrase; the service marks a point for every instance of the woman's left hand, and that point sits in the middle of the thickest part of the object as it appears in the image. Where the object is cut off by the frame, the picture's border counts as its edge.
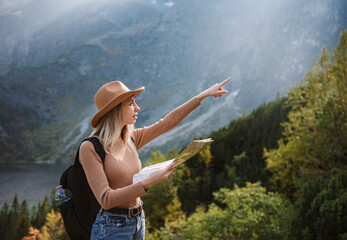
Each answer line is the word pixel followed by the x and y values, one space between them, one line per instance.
pixel 216 90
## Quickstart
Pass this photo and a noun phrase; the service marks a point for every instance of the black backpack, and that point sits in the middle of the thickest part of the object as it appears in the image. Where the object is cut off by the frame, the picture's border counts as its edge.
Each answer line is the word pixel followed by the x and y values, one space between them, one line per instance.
pixel 80 212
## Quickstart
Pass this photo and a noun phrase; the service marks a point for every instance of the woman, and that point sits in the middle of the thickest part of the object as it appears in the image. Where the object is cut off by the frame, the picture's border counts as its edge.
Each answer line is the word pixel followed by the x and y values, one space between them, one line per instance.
pixel 121 216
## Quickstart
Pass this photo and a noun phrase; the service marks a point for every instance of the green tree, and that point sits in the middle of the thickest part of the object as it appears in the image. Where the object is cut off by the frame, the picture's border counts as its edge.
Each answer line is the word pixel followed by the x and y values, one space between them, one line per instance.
pixel 243 213
pixel 193 180
pixel 175 221
pixel 4 215
pixel 322 211
pixel 14 220
pixel 13 223
pixel 54 227
pixel 24 220
pixel 39 216
pixel 315 135
pixel 33 215
pixel 158 198
pixel 237 149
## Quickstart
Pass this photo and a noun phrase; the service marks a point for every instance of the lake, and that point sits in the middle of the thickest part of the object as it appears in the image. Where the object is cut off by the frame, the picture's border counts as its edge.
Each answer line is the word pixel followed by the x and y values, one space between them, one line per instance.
pixel 29 181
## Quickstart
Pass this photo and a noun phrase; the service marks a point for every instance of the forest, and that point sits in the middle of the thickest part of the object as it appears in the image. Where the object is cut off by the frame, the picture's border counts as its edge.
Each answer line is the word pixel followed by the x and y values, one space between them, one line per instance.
pixel 279 172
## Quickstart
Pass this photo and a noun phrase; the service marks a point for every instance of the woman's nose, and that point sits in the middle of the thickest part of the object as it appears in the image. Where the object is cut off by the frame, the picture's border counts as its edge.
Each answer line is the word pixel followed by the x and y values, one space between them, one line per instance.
pixel 137 108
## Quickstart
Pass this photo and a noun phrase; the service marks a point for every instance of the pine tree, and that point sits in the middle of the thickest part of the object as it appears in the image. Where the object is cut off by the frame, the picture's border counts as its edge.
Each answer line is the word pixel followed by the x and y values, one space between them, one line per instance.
pixel 193 181
pixel 238 148
pixel 4 216
pixel 322 211
pixel 24 220
pixel 13 223
pixel 33 215
pixel 40 216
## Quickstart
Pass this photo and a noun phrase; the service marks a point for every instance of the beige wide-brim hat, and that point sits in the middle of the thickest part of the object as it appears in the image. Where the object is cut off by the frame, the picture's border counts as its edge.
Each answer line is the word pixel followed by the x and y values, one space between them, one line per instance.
pixel 109 96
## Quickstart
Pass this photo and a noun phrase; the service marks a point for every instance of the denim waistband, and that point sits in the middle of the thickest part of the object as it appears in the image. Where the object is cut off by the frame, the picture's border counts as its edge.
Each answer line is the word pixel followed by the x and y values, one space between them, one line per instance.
pixel 134 211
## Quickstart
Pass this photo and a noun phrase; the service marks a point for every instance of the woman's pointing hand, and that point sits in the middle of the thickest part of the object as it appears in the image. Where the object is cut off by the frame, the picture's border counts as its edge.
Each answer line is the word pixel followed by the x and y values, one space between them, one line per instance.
pixel 216 90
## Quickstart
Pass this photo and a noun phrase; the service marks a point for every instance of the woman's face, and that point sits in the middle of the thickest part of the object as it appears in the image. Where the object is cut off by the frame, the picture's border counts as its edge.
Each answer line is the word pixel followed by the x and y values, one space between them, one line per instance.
pixel 129 111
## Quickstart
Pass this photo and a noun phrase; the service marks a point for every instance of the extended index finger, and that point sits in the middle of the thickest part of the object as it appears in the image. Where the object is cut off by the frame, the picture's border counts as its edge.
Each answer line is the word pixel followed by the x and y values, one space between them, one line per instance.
pixel 225 81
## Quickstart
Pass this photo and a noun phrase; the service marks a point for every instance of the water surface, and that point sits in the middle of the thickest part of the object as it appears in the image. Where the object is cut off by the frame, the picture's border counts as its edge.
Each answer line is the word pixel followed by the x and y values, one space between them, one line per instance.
pixel 29 181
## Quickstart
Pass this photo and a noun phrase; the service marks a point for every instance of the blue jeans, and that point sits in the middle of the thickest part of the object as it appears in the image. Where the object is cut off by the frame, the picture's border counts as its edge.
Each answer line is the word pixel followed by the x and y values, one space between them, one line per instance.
pixel 117 226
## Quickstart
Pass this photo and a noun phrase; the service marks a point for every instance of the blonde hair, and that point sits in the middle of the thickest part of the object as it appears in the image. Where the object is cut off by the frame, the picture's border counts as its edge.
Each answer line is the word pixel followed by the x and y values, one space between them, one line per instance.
pixel 108 130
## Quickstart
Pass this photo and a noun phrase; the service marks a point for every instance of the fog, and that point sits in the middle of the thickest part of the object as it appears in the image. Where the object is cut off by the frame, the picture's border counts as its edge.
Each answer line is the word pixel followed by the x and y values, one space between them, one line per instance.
pixel 33 15
pixel 233 24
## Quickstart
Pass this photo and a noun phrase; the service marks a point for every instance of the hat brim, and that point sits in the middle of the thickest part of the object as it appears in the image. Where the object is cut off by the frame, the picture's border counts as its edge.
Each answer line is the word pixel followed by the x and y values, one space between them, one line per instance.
pixel 113 103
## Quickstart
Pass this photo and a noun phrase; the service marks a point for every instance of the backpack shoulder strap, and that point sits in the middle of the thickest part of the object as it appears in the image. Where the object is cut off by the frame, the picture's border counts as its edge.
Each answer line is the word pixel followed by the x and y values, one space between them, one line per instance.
pixel 99 149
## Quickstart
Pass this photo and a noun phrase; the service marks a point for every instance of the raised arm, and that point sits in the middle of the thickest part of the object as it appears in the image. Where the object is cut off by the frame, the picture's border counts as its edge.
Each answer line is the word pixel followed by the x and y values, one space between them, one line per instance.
pixel 162 174
pixel 144 135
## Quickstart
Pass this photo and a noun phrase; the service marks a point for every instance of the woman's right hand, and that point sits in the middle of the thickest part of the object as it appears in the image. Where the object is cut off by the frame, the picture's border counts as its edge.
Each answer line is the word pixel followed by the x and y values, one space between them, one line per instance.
pixel 215 91
pixel 158 176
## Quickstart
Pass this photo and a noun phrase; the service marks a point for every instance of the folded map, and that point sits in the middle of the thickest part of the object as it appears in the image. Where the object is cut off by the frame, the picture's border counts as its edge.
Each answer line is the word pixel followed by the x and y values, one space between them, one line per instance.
pixel 193 148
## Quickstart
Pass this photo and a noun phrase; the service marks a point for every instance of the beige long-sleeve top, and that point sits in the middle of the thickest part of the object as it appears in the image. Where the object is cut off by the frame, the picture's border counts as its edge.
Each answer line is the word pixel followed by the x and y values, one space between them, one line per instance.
pixel 111 182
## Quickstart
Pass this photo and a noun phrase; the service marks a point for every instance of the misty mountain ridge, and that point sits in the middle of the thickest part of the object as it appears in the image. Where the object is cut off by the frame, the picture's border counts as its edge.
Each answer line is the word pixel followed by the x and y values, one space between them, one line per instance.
pixel 54 57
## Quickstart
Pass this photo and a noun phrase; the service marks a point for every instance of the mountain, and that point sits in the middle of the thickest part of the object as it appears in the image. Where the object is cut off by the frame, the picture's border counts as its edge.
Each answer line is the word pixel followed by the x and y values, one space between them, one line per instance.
pixel 55 55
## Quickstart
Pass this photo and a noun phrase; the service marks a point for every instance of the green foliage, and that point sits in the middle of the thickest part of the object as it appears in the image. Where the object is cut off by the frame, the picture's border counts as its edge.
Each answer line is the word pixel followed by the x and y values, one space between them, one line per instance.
pixel 14 220
pixel 237 150
pixel 237 158
pixel 24 224
pixel 243 213
pixel 4 213
pixel 193 180
pixel 39 217
pixel 322 210
pixel 54 227
pixel 12 147
pixel 158 198
pixel 315 136
pixel 52 138
pixel 246 213
pixel 175 221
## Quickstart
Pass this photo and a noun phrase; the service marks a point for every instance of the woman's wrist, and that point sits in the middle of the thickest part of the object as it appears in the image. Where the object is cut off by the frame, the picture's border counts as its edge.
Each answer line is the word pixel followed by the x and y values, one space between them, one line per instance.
pixel 146 184
pixel 201 96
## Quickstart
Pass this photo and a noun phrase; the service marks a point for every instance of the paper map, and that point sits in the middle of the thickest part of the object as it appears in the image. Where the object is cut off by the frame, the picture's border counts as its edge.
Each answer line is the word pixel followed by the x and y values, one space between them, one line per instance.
pixel 194 148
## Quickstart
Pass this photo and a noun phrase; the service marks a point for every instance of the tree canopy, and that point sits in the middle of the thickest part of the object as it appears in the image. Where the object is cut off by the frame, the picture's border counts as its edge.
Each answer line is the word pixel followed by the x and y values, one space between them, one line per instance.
pixel 315 136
